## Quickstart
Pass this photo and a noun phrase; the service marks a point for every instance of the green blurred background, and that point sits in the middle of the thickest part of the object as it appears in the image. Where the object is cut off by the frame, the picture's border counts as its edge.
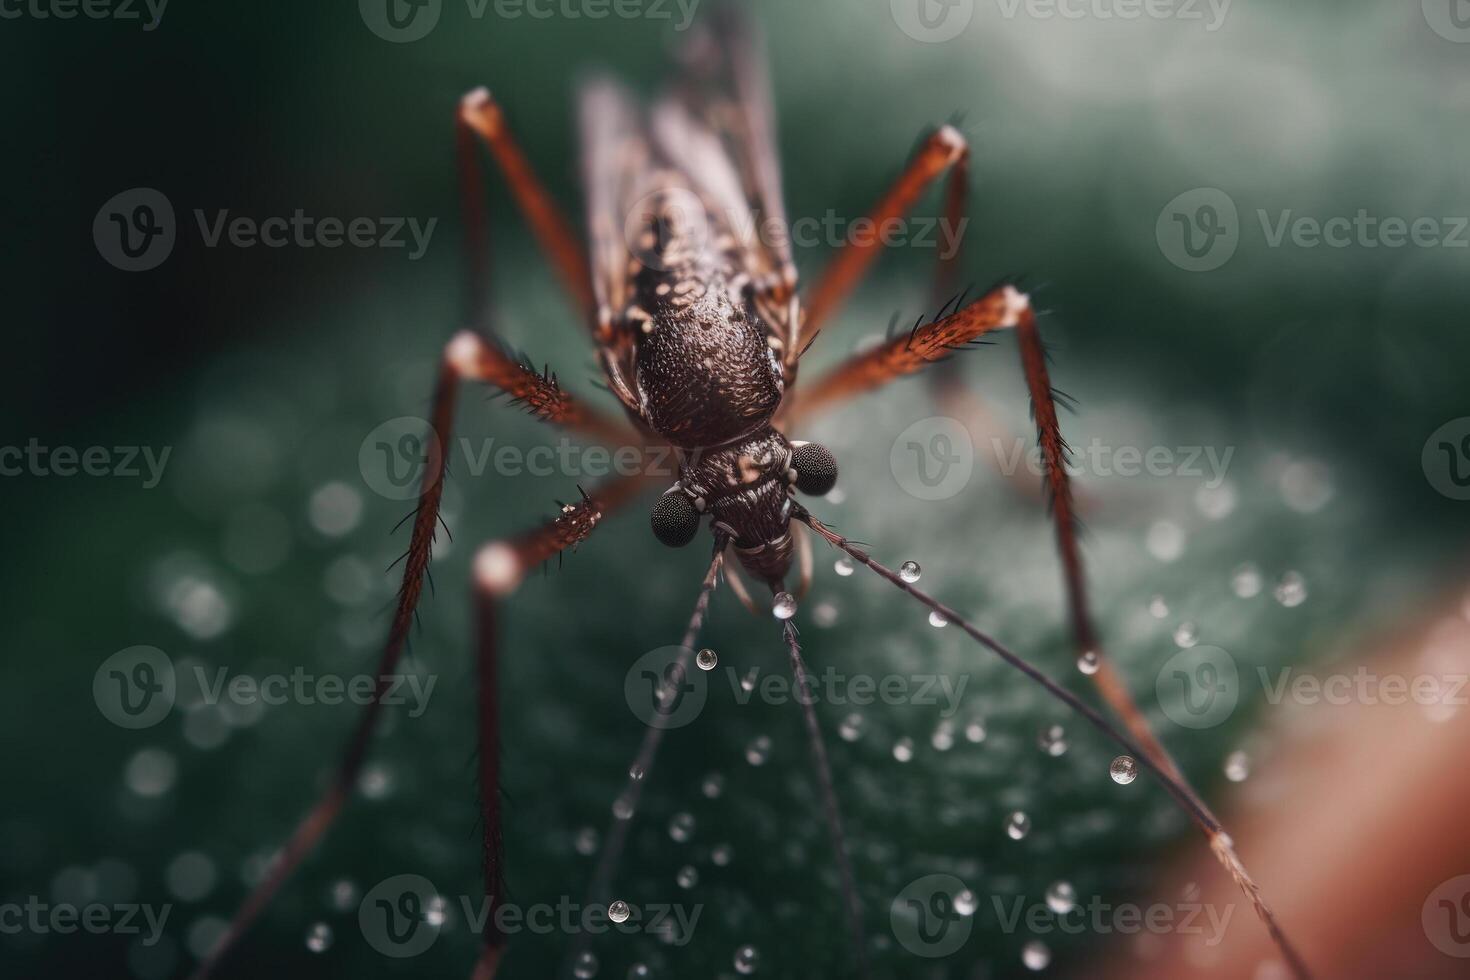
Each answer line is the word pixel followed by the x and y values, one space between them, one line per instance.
pixel 263 549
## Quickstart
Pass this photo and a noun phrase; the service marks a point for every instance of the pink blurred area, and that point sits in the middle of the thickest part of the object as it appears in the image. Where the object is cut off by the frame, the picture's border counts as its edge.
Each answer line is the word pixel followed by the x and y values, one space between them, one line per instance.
pixel 1355 820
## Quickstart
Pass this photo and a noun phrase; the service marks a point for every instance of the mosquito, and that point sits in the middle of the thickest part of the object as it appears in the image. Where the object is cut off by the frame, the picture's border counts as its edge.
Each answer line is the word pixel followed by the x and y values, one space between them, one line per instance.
pixel 699 325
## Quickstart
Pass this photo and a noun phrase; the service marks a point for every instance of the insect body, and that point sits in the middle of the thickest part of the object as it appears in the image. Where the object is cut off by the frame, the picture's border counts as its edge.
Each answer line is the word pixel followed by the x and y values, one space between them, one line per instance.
pixel 698 325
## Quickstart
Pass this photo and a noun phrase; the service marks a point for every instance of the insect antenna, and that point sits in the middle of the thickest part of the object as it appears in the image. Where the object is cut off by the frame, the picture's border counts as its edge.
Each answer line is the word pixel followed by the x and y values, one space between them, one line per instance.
pixel 853 906
pixel 599 891
pixel 1167 774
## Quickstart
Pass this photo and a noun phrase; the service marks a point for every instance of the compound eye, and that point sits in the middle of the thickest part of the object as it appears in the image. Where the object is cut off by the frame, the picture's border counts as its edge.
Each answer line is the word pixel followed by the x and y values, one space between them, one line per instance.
pixel 816 468
pixel 674 519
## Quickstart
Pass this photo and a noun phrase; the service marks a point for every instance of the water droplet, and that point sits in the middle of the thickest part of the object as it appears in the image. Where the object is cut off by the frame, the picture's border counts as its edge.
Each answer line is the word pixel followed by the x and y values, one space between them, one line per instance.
pixel 1186 634
pixel 639 971
pixel 1157 607
pixel 843 566
pixel 910 571
pixel 784 605
pixel 759 750
pixel 975 731
pixel 190 876
pixel 943 737
pixel 1165 541
pixel 706 659
pixel 1237 766
pixel 622 808
pixel 687 877
pixel 747 958
pixel 344 894
pixel 1245 581
pixel 1053 740
pixel 1291 590
pixel 635 772
pixel 937 620
pixel 1306 486
pixel 585 967
pixel 747 683
pixel 681 827
pixel 619 911
pixel 720 854
pixel 151 772
pixel 586 842
pixel 319 938
pixel 825 615
pixel 436 910
pixel 1061 897
pixel 903 749
pixel 965 903
pixel 1035 955
pixel 1124 770
pixel 713 786
pixel 1089 662
pixel 376 781
pixel 1018 825
pixel 1216 503
pixel 851 728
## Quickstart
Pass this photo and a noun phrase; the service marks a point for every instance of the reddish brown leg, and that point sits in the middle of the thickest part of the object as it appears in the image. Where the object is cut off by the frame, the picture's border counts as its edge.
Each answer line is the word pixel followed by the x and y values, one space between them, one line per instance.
pixel 499 567
pixel 477 360
pixel 1055 453
pixel 944 150
pixel 464 358
pixel 479 114
pixel 904 355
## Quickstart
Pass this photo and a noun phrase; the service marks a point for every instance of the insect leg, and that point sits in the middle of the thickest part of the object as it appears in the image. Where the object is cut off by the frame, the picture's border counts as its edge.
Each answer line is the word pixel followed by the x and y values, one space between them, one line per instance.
pixel 465 359
pixel 1220 842
pixel 481 115
pixel 908 353
pixel 600 888
pixel 945 150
